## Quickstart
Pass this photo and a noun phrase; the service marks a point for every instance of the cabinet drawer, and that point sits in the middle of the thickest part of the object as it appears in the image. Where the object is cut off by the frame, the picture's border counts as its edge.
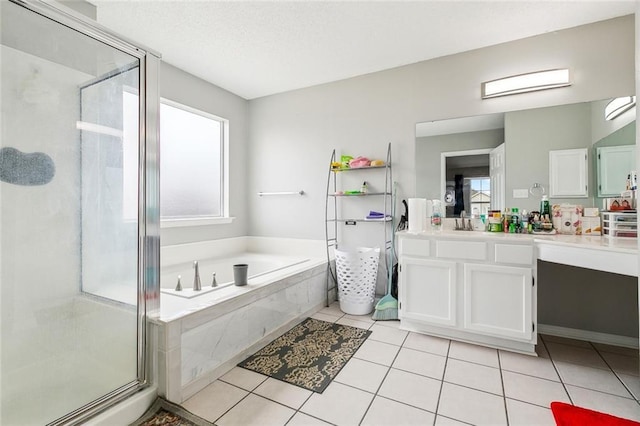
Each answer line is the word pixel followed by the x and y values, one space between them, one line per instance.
pixel 414 247
pixel 514 254
pixel 471 250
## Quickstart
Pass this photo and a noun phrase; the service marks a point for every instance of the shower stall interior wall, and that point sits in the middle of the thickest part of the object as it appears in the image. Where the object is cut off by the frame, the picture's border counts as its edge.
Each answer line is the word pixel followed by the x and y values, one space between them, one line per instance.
pixel 79 246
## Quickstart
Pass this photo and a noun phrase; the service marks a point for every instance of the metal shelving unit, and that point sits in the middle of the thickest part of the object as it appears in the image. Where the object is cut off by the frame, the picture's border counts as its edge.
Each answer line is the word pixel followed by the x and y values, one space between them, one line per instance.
pixel 333 221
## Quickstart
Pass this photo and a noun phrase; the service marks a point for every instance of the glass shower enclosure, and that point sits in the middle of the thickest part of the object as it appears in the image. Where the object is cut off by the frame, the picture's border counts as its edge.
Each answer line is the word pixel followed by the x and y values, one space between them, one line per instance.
pixel 79 235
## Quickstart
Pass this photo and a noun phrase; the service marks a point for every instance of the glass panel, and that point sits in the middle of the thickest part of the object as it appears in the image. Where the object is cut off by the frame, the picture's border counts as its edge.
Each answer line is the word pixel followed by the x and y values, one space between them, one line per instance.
pixel 191 168
pixel 68 248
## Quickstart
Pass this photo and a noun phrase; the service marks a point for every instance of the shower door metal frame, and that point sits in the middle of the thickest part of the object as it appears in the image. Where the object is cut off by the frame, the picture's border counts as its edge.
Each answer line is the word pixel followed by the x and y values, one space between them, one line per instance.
pixel 148 195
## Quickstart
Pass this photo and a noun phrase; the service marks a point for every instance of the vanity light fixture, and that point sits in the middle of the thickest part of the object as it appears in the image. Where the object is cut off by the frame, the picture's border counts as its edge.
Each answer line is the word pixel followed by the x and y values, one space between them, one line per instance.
pixel 529 82
pixel 618 105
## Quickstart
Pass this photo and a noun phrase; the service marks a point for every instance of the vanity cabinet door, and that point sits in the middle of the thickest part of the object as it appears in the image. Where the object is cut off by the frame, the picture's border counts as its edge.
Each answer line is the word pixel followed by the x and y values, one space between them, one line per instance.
pixel 428 291
pixel 614 164
pixel 568 173
pixel 498 300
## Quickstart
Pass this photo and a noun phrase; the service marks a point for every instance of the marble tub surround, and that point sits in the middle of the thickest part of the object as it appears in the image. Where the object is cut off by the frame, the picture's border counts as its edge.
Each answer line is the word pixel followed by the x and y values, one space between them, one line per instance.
pixel 202 338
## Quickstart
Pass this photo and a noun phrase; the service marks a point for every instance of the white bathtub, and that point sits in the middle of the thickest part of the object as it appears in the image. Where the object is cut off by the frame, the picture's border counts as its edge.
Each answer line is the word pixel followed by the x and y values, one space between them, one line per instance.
pixel 201 335
pixel 259 264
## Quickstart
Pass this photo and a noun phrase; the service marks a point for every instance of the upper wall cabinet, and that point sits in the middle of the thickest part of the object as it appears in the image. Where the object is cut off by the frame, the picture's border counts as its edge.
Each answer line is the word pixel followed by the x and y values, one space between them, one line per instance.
pixel 568 175
pixel 613 164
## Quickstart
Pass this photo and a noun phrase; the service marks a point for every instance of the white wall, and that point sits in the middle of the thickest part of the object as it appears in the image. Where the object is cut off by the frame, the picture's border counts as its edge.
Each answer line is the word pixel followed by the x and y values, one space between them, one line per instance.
pixel 184 88
pixel 292 134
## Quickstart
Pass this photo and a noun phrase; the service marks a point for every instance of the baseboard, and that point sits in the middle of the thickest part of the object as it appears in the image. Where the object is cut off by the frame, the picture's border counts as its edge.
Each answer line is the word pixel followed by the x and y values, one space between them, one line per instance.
pixel 591 336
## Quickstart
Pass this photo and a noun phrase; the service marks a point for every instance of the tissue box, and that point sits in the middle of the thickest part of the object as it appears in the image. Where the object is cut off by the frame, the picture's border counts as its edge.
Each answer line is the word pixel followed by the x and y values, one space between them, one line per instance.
pixel 591 226
pixel 591 212
pixel 567 218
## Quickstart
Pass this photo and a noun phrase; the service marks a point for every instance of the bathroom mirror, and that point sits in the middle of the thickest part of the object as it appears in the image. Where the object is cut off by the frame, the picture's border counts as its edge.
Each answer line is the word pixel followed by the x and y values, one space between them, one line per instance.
pixel 528 136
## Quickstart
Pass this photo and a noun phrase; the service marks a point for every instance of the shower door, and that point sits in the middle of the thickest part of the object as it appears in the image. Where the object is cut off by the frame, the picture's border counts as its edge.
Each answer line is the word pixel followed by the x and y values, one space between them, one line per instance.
pixel 78 215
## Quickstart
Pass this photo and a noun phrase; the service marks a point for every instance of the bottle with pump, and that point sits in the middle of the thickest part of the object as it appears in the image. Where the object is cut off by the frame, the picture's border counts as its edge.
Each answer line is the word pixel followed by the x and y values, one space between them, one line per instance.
pixel 363 189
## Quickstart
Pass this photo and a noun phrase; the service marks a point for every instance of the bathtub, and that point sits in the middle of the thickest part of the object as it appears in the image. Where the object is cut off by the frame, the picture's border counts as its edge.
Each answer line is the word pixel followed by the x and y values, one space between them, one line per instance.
pixel 203 334
pixel 259 264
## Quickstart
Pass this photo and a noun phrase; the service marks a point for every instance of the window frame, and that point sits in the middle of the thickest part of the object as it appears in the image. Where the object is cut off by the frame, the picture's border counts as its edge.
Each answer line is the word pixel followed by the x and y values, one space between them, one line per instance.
pixel 224 218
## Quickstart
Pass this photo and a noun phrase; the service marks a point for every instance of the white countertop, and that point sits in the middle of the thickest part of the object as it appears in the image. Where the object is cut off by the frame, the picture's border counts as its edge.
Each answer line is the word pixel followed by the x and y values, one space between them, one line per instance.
pixel 616 255
pixel 626 245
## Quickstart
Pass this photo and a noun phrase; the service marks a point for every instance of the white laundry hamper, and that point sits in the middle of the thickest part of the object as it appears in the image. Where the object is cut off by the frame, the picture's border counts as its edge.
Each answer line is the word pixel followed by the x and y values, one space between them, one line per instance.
pixel 357 271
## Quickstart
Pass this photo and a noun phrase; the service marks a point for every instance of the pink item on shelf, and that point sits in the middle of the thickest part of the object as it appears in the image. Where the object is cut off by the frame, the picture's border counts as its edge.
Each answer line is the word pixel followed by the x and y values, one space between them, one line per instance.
pixel 359 162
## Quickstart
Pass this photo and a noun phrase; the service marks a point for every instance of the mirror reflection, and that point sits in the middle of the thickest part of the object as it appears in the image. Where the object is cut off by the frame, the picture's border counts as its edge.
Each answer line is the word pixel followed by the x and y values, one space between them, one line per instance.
pixel 491 161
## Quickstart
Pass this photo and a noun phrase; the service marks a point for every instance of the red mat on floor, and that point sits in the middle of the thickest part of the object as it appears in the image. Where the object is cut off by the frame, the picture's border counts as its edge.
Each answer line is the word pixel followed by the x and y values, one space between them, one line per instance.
pixel 570 415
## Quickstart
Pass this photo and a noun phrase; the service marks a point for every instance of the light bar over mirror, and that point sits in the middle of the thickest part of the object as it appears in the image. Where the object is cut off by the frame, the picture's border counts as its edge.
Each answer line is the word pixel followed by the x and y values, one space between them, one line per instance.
pixel 618 105
pixel 523 83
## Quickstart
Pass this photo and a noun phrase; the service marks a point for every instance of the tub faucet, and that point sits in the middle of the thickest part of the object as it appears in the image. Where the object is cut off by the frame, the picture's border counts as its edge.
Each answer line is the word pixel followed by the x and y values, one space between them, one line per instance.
pixel 196 278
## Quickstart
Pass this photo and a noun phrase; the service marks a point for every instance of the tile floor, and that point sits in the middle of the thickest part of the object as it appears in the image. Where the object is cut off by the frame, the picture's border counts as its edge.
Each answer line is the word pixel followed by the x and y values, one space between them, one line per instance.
pixel 402 378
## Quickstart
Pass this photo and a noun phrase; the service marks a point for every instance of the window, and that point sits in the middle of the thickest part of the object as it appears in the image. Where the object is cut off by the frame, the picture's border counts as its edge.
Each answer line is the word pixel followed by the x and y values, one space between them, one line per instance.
pixel 480 195
pixel 192 180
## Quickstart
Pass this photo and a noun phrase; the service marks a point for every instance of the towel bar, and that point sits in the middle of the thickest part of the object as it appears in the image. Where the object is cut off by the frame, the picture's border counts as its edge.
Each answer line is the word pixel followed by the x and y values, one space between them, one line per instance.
pixel 301 192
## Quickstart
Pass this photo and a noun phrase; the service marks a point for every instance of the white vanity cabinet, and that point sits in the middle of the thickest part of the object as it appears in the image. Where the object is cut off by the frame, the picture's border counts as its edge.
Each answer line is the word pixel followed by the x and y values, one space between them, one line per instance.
pixel 497 300
pixel 568 173
pixel 431 285
pixel 477 289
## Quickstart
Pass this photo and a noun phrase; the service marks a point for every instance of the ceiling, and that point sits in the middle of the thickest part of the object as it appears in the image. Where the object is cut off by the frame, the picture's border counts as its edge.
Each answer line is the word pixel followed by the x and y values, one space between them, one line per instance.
pixel 259 48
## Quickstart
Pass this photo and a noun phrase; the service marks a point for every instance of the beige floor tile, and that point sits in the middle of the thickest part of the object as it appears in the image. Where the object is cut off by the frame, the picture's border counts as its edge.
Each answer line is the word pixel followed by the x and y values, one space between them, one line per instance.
pixel 425 343
pixel 214 400
pixel 243 378
pixel 591 378
pixel 333 310
pixel 472 406
pixel 523 414
pixel 632 383
pixel 422 363
pixel 418 391
pixel 605 403
pixel 541 350
pixel 622 363
pixel 354 323
pixel 301 419
pixel 476 376
pixel 566 341
pixel 362 374
pixel 338 404
pixel 384 411
pixel 601 347
pixel 527 364
pixel 284 393
pixel 575 355
pixel 446 421
pixel 258 411
pixel 388 335
pixel 532 389
pixel 390 323
pixel 474 353
pixel 378 352
pixel 361 318
pixel 324 317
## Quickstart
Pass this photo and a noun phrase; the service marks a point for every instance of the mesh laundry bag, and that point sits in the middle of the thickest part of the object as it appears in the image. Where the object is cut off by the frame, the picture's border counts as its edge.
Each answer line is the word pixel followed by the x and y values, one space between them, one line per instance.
pixel 357 271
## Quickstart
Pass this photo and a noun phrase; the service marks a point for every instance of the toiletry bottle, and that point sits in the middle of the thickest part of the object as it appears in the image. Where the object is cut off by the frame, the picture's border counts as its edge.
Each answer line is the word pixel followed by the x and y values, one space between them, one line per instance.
pixel 436 219
pixel 363 189
pixel 515 219
pixel 525 222
pixel 544 206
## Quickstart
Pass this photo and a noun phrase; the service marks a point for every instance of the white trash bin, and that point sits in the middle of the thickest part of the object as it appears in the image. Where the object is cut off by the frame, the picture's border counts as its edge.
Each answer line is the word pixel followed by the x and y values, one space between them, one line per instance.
pixel 357 271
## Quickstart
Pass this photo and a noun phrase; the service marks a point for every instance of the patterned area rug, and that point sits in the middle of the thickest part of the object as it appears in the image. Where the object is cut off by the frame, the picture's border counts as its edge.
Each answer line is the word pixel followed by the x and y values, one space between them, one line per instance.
pixel 165 413
pixel 309 355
